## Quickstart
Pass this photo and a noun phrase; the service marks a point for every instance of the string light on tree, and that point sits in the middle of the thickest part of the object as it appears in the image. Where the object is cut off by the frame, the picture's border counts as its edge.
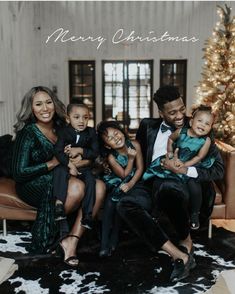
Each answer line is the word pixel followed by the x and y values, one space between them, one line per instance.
pixel 217 87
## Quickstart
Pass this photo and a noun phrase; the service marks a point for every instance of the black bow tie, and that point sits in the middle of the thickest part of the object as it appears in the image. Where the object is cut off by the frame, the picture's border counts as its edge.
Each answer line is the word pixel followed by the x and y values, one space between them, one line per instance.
pixel 165 128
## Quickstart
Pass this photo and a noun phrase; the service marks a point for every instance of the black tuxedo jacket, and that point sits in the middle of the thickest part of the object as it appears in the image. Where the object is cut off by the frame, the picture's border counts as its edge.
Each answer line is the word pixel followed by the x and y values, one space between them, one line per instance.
pixel 146 136
pixel 88 141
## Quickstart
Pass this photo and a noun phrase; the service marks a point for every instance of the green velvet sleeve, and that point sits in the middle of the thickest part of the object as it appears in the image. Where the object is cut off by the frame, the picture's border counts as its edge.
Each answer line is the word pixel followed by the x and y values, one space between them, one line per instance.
pixel 23 166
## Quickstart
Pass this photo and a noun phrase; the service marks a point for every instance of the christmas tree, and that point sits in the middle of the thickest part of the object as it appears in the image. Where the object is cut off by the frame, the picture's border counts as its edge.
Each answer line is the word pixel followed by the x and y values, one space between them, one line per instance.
pixel 217 88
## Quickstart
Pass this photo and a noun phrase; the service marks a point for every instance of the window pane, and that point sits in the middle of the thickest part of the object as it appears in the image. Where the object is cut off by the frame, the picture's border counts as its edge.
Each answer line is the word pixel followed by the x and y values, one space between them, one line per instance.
pixel 82 85
pixel 174 72
pixel 127 87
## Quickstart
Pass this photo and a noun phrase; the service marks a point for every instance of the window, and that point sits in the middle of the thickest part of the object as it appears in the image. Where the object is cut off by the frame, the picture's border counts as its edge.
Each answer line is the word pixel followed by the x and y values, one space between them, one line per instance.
pixel 82 85
pixel 127 91
pixel 174 72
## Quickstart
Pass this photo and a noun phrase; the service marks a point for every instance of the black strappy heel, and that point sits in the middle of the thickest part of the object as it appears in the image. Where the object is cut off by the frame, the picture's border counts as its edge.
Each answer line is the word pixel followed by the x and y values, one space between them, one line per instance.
pixel 71 258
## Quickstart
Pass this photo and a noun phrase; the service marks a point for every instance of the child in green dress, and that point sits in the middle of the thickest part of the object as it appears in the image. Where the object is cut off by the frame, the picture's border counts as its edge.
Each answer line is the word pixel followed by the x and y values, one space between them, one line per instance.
pixel 193 143
pixel 126 163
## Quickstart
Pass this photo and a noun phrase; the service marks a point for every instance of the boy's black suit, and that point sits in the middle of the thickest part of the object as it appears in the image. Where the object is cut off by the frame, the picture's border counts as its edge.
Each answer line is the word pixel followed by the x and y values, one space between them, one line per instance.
pixel 87 140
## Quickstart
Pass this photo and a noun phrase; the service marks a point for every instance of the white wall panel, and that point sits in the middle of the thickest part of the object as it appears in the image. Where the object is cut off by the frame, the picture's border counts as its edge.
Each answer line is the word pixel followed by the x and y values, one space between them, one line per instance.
pixel 26 60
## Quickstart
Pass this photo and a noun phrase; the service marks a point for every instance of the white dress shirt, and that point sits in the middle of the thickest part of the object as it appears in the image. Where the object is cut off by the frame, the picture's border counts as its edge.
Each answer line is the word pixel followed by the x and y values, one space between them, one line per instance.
pixel 160 148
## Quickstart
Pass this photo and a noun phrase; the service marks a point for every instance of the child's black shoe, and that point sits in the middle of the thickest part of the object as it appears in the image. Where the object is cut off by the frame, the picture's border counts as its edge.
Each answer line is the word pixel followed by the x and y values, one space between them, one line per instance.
pixel 87 222
pixel 194 222
pixel 59 212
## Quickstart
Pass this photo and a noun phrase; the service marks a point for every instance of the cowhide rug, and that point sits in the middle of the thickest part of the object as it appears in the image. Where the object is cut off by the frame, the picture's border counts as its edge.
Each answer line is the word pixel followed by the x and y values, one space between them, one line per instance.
pixel 133 269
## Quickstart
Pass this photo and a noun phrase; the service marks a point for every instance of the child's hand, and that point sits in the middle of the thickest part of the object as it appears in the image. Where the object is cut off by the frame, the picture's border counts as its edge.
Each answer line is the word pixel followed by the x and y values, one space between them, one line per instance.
pixel 126 187
pixel 67 149
pixel 131 153
pixel 107 169
pixel 170 155
pixel 73 152
pixel 73 171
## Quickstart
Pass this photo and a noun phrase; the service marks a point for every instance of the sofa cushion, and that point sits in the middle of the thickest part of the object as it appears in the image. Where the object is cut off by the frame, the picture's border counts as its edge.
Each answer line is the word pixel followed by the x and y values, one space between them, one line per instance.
pixel 8 196
pixel 218 195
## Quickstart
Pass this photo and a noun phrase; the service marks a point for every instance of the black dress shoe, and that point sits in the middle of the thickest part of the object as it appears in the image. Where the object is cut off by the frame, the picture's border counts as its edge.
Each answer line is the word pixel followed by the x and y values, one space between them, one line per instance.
pixel 185 250
pixel 181 270
pixel 87 222
pixel 59 212
pixel 194 222
pixel 105 253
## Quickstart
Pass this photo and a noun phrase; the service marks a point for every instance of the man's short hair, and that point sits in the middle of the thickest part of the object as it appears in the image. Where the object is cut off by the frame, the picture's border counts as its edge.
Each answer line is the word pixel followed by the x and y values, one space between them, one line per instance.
pixel 165 94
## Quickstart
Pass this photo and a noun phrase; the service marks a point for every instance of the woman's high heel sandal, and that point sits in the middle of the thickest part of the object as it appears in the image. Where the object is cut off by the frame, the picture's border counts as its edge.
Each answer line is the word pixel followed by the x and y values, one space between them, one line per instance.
pixel 69 260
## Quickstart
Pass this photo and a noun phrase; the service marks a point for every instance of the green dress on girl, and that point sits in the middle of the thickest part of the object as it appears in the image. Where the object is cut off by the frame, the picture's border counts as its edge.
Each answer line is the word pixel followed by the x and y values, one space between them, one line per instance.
pixel 188 148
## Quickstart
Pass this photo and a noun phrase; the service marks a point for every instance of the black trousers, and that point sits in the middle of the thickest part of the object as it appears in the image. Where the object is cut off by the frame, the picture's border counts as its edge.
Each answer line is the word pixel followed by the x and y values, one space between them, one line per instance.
pixel 172 197
pixel 60 186
pixel 195 194
pixel 110 224
pixel 134 208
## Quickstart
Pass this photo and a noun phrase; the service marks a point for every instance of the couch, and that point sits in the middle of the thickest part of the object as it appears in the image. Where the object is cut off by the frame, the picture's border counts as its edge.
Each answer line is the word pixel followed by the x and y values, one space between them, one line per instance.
pixel 224 207
pixel 13 208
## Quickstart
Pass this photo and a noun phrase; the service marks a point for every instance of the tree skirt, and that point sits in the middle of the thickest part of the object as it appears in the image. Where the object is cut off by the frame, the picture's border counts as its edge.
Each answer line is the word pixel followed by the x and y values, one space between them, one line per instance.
pixel 132 269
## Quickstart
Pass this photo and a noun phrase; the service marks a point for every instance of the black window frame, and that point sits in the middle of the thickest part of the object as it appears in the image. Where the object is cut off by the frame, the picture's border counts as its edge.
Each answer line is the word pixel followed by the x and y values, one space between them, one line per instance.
pixel 184 80
pixel 126 85
pixel 93 85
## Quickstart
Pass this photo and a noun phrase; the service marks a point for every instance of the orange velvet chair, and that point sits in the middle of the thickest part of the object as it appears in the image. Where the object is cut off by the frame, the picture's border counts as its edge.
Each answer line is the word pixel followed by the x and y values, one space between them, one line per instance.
pixel 11 206
pixel 224 207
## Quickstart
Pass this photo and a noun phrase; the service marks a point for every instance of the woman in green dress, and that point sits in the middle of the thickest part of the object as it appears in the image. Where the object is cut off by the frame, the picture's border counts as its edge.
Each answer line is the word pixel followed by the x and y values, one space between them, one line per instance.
pixel 38 120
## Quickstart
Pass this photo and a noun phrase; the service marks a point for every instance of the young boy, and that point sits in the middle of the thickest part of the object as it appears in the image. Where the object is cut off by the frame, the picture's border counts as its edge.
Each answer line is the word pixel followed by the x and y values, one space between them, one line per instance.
pixel 80 140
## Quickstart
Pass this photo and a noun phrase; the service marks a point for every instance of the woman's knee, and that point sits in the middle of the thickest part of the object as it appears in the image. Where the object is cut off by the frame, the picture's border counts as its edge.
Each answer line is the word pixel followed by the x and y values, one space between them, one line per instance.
pixel 76 188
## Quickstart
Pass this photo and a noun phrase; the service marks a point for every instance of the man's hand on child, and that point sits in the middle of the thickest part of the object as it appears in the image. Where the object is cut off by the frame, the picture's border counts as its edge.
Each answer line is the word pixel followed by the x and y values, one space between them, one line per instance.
pixel 178 163
pixel 169 164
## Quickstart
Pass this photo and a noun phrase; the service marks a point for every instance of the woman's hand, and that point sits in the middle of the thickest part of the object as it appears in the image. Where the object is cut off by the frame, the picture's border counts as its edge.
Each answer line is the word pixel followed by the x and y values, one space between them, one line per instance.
pixel 73 169
pixel 52 163
pixel 73 152
pixel 67 149
pixel 76 161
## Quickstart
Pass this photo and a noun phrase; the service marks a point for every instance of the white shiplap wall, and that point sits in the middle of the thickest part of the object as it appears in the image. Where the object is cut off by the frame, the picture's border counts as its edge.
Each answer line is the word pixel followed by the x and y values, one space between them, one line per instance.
pixel 26 60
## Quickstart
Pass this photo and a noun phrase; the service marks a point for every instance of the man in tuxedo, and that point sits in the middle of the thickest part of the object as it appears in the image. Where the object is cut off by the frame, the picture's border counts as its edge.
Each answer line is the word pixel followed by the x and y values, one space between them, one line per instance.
pixel 170 196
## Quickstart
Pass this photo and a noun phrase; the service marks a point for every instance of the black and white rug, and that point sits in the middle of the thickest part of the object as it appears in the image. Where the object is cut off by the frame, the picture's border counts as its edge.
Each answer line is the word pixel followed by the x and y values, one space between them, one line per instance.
pixel 133 269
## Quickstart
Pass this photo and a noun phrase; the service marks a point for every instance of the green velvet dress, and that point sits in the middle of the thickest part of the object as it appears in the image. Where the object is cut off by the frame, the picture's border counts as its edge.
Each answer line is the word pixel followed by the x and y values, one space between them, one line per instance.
pixel 34 183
